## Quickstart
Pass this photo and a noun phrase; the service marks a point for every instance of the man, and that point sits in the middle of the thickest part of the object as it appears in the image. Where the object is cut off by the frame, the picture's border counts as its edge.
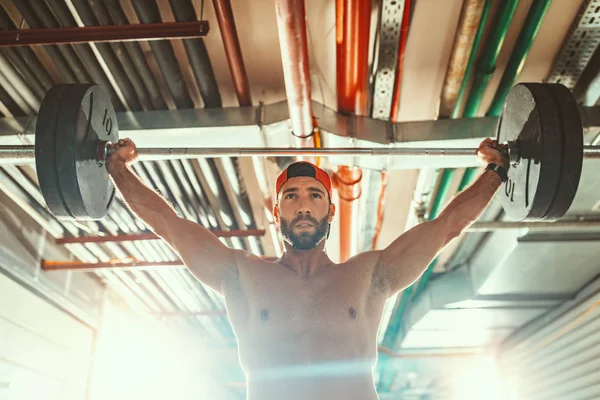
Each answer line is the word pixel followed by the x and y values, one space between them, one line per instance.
pixel 306 326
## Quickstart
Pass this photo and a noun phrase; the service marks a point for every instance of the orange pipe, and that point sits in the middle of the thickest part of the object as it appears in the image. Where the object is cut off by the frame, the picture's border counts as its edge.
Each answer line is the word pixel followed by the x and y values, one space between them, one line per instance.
pixel 353 20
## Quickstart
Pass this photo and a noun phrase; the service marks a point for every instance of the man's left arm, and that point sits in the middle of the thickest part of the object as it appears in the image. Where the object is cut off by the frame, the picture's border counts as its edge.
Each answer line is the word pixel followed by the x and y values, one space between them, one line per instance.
pixel 407 257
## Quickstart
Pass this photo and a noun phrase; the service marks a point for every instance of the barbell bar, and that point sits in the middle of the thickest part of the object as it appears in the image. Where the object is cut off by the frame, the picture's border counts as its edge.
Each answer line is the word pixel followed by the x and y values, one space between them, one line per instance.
pixel 25 154
pixel 540 128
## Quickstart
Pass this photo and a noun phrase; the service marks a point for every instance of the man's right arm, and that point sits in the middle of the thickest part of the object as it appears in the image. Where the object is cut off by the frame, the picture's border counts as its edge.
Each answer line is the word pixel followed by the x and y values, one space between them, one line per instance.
pixel 203 253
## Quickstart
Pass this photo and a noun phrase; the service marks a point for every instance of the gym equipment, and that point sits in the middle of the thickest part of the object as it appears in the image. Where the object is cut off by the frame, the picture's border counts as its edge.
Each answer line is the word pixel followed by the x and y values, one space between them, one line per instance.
pixel 539 128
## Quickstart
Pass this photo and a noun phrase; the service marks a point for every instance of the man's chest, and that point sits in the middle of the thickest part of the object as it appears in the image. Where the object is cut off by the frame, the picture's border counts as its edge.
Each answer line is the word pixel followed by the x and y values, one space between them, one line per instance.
pixel 278 302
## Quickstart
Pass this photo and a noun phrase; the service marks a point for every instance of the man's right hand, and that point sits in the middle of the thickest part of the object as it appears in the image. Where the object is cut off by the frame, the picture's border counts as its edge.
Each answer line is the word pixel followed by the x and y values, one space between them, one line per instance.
pixel 122 153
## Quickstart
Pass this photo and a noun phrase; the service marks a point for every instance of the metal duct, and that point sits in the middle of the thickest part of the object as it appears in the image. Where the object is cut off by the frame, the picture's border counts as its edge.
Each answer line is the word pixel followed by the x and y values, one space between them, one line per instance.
pixel 183 10
pixel 291 24
pixel 148 13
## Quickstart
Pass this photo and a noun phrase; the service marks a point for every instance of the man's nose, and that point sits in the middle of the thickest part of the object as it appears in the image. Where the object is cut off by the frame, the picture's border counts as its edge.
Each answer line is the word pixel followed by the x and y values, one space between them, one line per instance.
pixel 303 207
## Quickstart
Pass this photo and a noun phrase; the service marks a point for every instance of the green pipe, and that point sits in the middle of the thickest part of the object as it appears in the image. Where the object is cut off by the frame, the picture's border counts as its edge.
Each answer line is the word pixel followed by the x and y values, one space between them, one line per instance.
pixel 440 199
pixel 526 37
pixel 489 55
pixel 472 58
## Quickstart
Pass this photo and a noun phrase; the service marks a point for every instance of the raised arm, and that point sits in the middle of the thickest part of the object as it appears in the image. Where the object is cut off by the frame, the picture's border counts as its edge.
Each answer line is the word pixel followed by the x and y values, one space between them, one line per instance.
pixel 203 253
pixel 407 257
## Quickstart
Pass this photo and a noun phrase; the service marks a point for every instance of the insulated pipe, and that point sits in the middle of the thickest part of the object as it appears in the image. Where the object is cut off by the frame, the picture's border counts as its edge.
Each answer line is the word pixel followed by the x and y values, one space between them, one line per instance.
pixel 463 46
pixel 183 10
pixel 233 51
pixel 487 61
pixel 291 24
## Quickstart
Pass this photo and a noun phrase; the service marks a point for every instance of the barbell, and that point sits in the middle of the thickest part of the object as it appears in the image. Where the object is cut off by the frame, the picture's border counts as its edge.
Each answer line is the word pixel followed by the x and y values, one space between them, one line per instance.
pixel 540 129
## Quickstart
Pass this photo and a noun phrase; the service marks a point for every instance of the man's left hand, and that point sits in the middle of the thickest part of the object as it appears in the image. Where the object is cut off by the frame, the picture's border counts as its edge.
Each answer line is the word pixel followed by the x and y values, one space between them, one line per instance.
pixel 489 153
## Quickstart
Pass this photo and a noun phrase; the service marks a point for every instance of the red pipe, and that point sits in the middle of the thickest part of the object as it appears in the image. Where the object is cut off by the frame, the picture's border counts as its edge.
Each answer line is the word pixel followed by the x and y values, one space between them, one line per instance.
pixel 127 265
pixel 119 33
pixel 353 20
pixel 291 24
pixel 151 236
pixel 233 51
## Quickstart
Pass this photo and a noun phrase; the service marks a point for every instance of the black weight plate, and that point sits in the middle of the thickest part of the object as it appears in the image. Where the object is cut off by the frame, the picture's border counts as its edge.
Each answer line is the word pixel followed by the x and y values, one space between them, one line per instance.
pixel 572 158
pixel 85 117
pixel 529 116
pixel 45 160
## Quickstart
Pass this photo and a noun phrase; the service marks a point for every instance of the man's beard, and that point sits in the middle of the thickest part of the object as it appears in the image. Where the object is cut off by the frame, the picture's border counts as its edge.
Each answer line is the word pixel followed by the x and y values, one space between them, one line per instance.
pixel 305 240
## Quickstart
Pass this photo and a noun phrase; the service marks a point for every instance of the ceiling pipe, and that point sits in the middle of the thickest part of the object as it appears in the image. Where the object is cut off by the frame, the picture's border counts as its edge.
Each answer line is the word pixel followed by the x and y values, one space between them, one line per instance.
pixel 353 20
pixel 528 33
pixel 150 236
pixel 472 13
pixel 486 66
pixel 291 24
pixel 197 54
pixel 233 51
pixel 148 13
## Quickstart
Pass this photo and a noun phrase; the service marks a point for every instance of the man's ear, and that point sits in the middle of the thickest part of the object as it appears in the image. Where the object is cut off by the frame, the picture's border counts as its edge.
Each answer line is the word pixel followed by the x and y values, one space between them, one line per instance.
pixel 331 211
pixel 276 213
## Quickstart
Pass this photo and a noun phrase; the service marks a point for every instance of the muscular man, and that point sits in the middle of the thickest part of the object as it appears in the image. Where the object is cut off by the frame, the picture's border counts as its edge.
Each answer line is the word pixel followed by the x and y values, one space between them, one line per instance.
pixel 306 327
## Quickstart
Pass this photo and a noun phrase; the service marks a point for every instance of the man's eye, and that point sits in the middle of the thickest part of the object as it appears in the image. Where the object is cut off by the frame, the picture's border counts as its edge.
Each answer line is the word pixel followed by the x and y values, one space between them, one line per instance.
pixel 290 196
pixel 316 196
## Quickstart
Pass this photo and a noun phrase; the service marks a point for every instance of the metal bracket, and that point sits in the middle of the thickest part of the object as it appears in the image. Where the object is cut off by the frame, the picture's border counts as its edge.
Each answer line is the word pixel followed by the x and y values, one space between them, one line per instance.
pixel 387 60
pixel 577 50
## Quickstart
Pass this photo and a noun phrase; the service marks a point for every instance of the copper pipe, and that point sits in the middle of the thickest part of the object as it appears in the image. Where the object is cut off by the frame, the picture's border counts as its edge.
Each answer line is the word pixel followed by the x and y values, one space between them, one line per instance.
pixel 151 236
pixel 118 33
pixel 122 265
pixel 353 20
pixel 400 66
pixel 233 51
pixel 291 23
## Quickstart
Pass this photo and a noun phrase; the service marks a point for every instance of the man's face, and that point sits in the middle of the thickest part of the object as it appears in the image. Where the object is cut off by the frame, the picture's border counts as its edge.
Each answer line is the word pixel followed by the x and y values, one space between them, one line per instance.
pixel 304 212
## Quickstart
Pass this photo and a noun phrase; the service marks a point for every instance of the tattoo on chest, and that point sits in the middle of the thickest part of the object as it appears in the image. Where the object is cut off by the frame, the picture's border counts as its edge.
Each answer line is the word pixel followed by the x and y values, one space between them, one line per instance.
pixel 352 312
pixel 264 314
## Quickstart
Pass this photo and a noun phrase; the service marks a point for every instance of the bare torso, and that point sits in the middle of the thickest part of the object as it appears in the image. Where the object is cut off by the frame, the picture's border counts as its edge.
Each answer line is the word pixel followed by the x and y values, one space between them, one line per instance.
pixel 307 337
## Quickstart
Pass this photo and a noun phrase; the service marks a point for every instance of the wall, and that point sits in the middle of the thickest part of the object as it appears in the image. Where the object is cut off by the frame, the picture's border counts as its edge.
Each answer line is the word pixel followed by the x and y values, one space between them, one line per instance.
pixel 558 355
pixel 44 352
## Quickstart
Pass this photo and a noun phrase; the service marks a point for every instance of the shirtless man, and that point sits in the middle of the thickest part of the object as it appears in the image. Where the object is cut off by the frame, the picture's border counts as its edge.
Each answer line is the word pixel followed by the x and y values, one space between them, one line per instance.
pixel 306 327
